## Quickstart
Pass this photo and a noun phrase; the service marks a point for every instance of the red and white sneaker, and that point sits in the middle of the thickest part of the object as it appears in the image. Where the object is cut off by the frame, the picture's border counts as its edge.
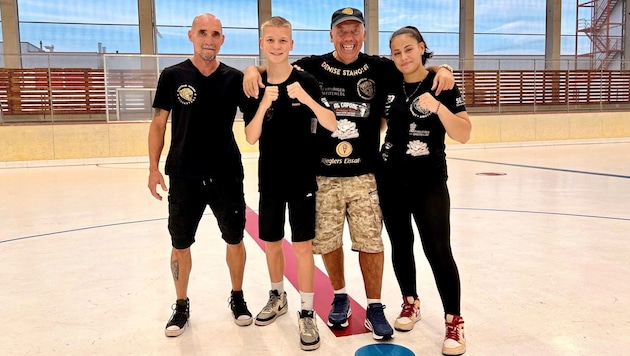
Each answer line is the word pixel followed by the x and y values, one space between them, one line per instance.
pixel 409 315
pixel 454 341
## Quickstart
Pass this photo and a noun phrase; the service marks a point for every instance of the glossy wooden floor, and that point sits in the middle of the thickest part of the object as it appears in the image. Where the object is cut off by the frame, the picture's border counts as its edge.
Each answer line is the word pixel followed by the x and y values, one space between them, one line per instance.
pixel 540 235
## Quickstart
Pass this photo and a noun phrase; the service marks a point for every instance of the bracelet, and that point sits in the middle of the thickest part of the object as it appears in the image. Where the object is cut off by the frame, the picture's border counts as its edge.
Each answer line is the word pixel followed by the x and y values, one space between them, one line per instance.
pixel 446 66
pixel 438 107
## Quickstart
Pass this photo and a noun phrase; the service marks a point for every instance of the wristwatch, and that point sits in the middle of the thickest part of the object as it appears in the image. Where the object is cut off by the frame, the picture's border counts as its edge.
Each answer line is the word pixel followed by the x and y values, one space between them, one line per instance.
pixel 450 69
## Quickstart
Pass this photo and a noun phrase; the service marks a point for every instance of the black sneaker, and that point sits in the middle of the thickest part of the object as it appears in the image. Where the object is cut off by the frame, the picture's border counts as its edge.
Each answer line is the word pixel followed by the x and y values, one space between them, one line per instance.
pixel 178 321
pixel 242 316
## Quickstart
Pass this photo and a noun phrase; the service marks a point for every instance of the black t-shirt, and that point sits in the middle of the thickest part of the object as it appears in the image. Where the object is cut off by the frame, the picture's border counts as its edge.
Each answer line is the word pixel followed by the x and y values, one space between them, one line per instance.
pixel 414 149
pixel 357 94
pixel 202 117
pixel 287 161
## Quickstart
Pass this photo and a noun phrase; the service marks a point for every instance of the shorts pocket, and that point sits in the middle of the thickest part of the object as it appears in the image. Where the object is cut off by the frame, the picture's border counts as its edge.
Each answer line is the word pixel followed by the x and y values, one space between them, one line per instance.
pixel 376 206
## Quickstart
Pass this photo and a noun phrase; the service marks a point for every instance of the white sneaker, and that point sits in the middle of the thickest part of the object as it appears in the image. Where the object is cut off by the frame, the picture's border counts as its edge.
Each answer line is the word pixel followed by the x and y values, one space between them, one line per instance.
pixel 409 315
pixel 454 341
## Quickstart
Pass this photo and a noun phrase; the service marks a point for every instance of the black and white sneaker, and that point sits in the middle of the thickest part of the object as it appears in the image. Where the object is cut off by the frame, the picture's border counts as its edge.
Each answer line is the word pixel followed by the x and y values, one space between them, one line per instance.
pixel 309 334
pixel 276 306
pixel 242 316
pixel 178 321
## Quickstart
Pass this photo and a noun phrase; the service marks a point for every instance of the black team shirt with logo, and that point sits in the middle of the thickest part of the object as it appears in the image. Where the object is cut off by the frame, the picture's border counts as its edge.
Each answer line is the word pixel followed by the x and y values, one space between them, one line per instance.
pixel 357 94
pixel 202 109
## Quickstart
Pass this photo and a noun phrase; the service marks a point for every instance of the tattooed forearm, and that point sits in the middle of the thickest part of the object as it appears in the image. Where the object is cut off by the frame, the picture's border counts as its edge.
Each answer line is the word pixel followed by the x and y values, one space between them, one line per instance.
pixel 175 269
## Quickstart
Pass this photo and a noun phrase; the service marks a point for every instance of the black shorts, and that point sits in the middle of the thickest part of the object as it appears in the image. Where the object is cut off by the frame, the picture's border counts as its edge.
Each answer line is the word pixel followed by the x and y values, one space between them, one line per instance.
pixel 272 210
pixel 187 200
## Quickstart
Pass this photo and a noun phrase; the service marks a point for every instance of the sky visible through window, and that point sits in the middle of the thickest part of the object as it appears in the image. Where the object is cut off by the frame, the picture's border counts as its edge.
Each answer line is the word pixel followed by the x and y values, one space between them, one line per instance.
pixel 502 27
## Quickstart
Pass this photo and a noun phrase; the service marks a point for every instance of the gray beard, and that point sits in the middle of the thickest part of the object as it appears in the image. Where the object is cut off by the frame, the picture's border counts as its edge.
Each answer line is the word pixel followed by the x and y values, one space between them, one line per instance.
pixel 207 58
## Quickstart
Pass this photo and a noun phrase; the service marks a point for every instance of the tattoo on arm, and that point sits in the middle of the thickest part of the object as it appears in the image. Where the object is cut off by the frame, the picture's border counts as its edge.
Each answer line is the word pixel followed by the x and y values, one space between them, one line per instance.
pixel 175 269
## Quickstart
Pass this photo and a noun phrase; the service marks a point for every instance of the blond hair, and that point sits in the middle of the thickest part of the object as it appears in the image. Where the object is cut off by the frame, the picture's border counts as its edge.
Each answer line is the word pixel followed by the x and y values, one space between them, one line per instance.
pixel 276 21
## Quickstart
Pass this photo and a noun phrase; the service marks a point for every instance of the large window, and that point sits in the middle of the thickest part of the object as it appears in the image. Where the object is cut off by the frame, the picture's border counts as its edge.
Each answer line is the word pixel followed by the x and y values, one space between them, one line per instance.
pixel 79 26
pixel 502 27
pixel 573 41
pixel 238 17
pixel 510 27
pixel 437 20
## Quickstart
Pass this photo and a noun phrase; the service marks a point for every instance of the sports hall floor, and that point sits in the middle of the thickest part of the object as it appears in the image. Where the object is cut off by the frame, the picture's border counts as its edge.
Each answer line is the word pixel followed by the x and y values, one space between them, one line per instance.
pixel 540 235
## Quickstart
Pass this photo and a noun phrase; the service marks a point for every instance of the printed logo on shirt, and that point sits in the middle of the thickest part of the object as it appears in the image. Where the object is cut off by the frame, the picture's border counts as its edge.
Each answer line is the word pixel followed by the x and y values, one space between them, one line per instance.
pixel 388 103
pixel 390 99
pixel 385 150
pixel 332 92
pixel 459 101
pixel 330 69
pixel 346 129
pixel 350 109
pixel 365 88
pixel 418 111
pixel 325 102
pixel 344 149
pixel 186 94
pixel 413 131
pixel 345 72
pixel 417 148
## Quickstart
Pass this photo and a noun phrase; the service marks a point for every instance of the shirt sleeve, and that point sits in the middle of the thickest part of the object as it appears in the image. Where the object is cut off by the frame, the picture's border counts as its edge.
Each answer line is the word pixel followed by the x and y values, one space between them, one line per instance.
pixel 308 63
pixel 163 98
pixel 453 99
pixel 311 86
pixel 249 108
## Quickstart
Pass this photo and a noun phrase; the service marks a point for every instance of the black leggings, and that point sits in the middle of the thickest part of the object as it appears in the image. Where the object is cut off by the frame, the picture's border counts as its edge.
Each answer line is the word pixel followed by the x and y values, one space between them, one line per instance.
pixel 429 204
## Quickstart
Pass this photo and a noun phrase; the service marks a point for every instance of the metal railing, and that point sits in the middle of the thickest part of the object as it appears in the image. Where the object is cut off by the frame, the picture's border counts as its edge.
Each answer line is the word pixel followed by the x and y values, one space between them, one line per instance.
pixel 122 89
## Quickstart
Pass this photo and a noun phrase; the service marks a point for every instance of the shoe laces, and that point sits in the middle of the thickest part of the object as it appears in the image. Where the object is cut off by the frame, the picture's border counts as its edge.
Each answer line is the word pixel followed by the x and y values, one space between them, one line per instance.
pixel 339 305
pixel 180 314
pixel 452 328
pixel 238 305
pixel 408 309
pixel 273 298
pixel 307 323
pixel 376 314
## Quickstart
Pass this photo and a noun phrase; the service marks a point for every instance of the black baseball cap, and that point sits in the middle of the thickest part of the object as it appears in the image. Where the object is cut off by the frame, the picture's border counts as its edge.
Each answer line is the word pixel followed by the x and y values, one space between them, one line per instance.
pixel 345 14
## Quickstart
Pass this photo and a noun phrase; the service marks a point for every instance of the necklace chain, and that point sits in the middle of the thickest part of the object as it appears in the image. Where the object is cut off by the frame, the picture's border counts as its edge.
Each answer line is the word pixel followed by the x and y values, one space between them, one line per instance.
pixel 407 97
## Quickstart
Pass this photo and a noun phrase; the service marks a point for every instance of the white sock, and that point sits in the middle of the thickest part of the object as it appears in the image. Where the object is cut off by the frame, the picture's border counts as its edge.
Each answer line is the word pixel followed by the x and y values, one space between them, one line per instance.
pixel 341 291
pixel 307 300
pixel 372 301
pixel 279 286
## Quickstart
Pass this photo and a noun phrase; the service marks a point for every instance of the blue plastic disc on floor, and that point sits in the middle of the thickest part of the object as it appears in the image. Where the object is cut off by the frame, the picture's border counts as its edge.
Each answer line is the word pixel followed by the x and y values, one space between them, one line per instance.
pixel 383 350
